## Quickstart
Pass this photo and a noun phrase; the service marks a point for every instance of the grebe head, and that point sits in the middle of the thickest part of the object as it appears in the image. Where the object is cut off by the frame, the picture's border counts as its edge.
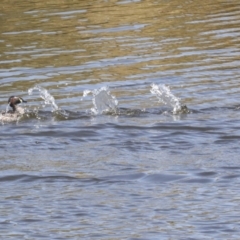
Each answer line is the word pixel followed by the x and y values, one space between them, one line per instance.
pixel 13 101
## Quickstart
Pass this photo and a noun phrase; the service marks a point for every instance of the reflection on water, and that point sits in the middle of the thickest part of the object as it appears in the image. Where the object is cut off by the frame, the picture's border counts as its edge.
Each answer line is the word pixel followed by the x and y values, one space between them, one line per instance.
pixel 132 170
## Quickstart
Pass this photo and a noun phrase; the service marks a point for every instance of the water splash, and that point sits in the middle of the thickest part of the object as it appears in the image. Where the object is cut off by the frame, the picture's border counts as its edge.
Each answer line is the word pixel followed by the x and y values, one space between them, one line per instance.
pixel 7 107
pixel 46 96
pixel 164 95
pixel 102 100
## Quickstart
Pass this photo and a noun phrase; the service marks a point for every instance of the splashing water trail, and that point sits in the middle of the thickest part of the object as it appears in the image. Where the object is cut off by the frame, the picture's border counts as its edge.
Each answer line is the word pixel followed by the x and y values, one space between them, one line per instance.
pixel 102 100
pixel 46 96
pixel 7 107
pixel 164 95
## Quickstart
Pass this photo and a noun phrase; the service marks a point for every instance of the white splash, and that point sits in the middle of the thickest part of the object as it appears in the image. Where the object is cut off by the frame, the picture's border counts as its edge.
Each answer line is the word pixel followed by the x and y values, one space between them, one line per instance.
pixel 7 107
pixel 46 96
pixel 164 95
pixel 102 100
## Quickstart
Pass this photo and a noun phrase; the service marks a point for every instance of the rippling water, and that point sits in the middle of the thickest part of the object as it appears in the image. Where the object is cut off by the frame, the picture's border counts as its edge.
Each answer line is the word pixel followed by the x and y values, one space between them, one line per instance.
pixel 99 154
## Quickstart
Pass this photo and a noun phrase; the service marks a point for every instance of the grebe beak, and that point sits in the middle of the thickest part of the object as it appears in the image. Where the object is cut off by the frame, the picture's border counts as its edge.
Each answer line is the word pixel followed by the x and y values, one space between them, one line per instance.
pixel 22 100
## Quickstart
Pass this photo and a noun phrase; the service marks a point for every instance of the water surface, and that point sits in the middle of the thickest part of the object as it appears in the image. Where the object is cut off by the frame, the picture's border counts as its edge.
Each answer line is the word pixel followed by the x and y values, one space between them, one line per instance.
pixel 98 155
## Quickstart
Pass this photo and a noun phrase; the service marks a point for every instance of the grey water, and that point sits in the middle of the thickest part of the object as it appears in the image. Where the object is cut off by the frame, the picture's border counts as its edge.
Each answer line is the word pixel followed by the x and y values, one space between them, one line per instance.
pixel 103 150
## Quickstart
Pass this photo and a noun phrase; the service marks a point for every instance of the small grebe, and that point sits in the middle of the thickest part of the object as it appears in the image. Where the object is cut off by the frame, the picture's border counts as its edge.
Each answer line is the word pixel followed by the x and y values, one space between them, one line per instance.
pixel 13 102
pixel 15 113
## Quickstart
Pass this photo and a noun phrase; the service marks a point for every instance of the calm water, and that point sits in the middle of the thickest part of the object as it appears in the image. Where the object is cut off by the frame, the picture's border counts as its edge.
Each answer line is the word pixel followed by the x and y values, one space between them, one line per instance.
pixel 98 155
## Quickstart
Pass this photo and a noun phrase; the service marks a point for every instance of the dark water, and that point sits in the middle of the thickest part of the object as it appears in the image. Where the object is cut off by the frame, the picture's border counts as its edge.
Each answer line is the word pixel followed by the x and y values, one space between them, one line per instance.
pixel 137 171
